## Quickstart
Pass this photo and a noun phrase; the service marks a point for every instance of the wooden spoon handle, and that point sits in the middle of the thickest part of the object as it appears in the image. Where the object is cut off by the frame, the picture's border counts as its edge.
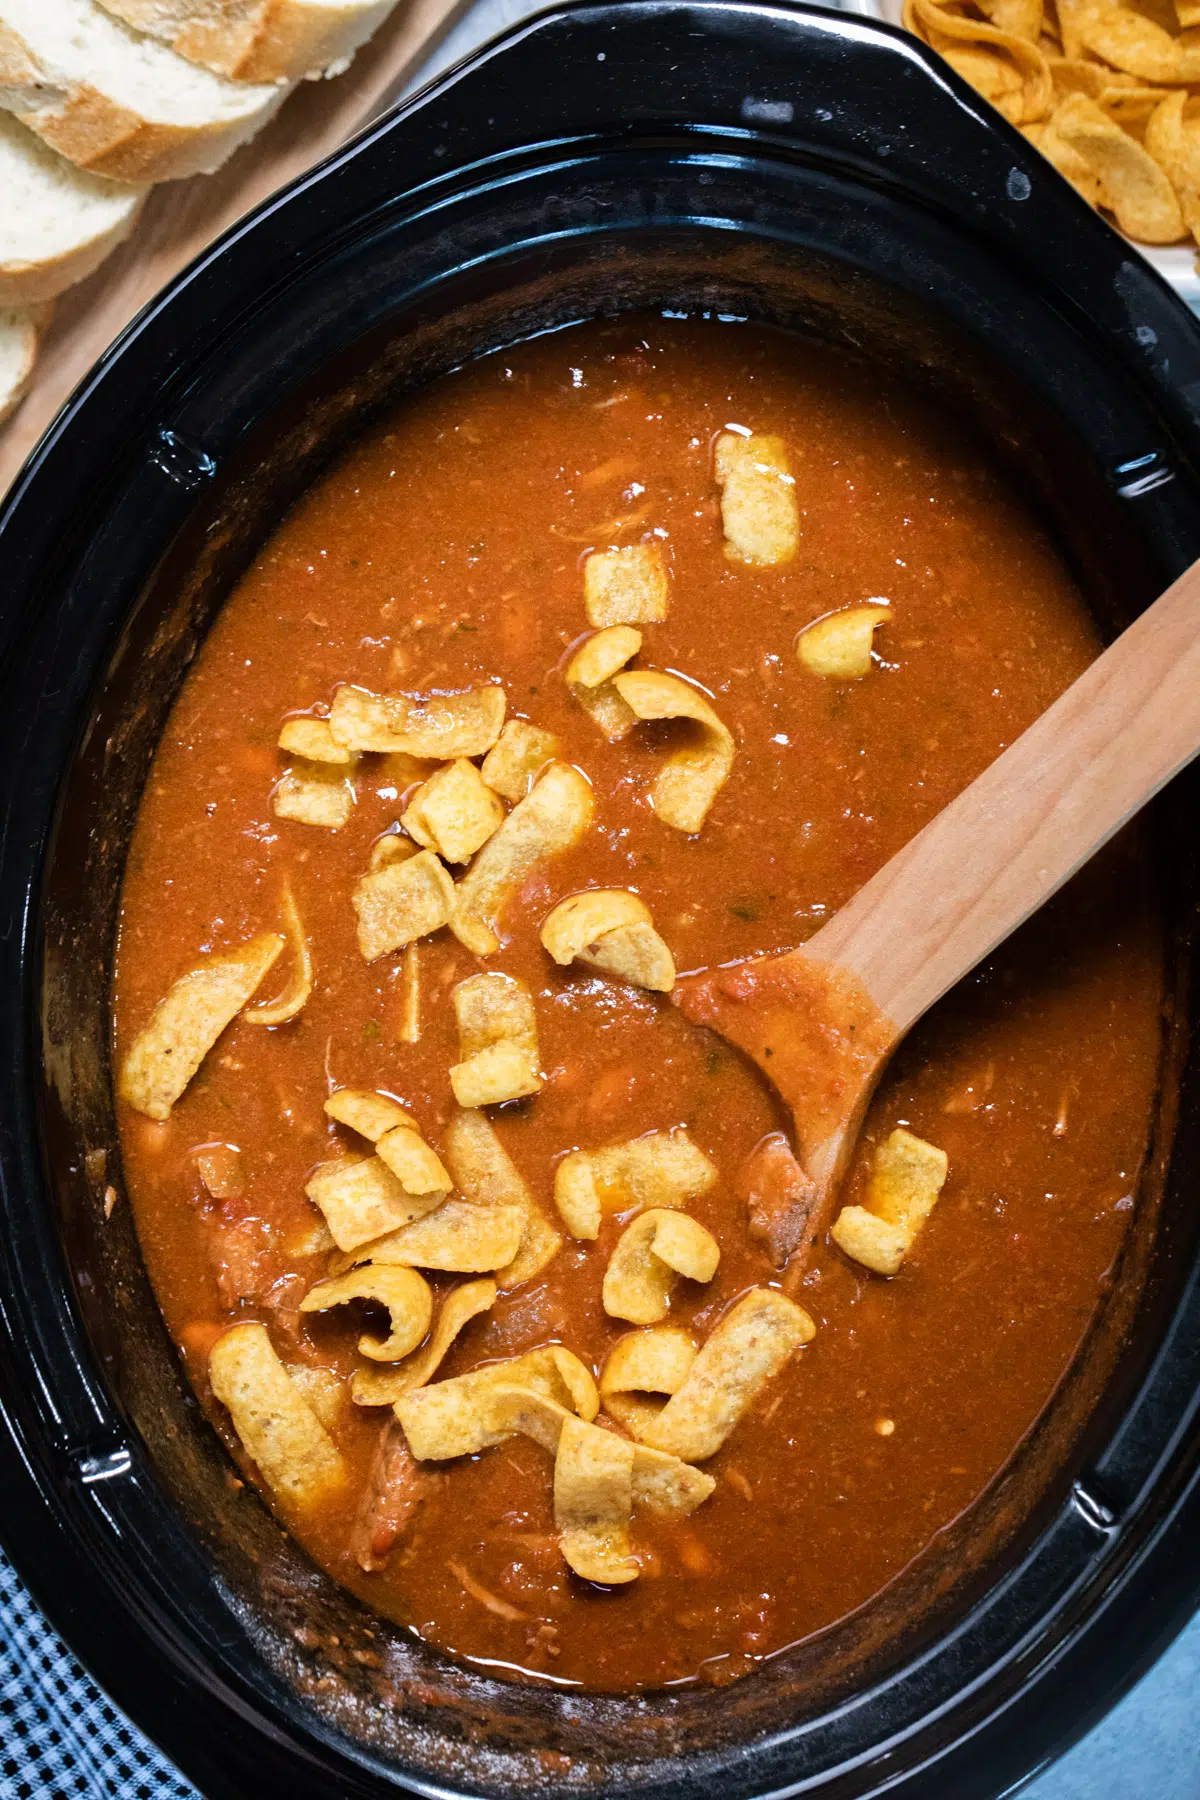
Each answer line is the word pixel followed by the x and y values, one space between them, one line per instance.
pixel 1011 839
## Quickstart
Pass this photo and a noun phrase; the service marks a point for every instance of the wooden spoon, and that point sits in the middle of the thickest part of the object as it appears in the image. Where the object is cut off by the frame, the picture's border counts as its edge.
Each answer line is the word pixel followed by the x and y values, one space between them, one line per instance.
pixel 821 1022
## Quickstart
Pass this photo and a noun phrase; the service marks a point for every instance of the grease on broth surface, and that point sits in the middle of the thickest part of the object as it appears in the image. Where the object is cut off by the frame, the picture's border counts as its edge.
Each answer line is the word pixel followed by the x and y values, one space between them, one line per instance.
pixel 446 551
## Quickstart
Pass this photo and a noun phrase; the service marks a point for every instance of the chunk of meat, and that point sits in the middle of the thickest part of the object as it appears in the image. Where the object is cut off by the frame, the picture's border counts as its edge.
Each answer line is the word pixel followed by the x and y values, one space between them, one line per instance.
pixel 396 1489
pixel 779 1198
pixel 246 1258
pixel 526 1319
pixel 282 1299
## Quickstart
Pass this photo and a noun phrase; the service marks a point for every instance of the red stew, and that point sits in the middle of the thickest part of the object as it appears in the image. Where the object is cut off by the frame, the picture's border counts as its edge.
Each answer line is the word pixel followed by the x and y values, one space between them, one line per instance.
pixel 445 552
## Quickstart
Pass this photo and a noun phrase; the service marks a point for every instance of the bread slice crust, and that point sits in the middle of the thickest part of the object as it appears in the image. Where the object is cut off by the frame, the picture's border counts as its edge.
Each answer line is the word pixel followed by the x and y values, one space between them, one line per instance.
pixel 63 65
pixel 57 223
pixel 267 40
pixel 20 330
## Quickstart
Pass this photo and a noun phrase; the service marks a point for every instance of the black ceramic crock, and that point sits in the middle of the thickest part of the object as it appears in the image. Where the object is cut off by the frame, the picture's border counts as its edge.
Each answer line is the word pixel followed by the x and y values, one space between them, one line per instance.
pixel 792 165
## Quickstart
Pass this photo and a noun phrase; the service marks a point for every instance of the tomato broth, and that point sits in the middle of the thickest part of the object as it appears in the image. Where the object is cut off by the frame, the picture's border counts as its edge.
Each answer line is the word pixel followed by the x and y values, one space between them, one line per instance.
pixel 444 552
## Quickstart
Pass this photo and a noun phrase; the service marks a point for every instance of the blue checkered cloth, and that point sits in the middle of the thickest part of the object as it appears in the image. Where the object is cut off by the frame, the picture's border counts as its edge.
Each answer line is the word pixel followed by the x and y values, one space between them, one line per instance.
pixel 60 1739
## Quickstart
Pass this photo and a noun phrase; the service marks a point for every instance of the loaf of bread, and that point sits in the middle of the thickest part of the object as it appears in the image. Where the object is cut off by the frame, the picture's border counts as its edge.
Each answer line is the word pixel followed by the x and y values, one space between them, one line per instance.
pixel 258 40
pixel 57 222
pixel 117 102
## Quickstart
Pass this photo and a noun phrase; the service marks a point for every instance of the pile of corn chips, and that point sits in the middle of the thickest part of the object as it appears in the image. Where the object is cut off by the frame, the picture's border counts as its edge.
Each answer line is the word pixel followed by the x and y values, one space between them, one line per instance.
pixel 1108 90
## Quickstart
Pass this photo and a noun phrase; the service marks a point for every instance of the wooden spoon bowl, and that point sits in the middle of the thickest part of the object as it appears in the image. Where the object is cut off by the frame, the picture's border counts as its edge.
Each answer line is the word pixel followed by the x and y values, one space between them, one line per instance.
pixel 821 1022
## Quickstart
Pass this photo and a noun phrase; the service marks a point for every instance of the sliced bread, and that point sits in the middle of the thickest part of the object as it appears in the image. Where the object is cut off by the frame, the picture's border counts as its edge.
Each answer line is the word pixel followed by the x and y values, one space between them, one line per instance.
pixel 258 40
pixel 57 222
pixel 116 102
pixel 19 330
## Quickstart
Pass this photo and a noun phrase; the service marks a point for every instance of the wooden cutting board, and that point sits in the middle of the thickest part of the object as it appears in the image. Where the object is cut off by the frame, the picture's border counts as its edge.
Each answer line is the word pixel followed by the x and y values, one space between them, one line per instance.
pixel 181 217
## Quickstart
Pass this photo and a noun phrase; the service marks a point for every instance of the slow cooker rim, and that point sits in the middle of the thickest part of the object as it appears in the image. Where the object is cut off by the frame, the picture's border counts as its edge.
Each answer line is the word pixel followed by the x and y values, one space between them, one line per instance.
pixel 155 320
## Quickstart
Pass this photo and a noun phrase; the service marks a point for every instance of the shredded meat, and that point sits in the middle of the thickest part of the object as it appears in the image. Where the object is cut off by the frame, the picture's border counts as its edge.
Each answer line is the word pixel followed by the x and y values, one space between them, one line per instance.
pixel 396 1490
pixel 779 1198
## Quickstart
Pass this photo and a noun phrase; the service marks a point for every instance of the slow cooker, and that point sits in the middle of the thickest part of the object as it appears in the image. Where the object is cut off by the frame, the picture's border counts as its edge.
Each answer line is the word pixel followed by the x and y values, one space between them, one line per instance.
pixel 788 164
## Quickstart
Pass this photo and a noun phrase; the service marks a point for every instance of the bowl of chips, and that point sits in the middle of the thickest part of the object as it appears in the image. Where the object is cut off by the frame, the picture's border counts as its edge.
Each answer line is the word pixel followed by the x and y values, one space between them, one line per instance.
pixel 1107 90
